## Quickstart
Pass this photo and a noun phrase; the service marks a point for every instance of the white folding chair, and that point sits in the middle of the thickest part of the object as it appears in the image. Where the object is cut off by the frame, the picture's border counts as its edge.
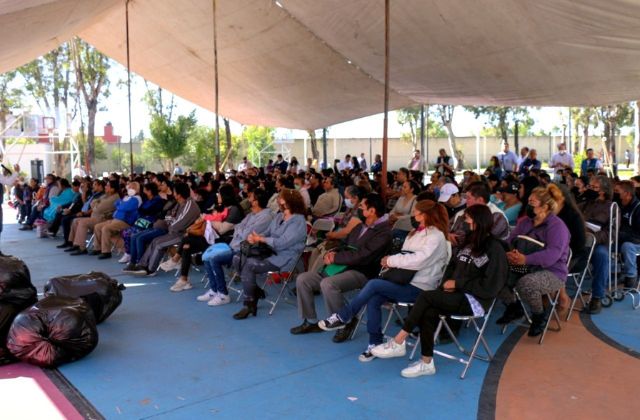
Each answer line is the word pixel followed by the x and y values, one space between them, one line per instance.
pixel 614 227
pixel 578 277
pixel 284 278
pixel 479 329
pixel 320 225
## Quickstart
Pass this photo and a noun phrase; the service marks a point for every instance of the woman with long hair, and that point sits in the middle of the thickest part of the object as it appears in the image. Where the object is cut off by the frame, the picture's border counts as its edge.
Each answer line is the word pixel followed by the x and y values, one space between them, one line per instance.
pixel 426 251
pixel 472 280
pixel 286 236
pixel 547 266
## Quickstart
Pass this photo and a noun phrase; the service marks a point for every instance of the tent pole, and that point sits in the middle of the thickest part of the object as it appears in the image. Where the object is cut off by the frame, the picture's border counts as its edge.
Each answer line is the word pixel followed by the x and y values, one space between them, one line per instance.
pixel 215 69
pixel 385 138
pixel 425 161
pixel 126 6
pixel 324 148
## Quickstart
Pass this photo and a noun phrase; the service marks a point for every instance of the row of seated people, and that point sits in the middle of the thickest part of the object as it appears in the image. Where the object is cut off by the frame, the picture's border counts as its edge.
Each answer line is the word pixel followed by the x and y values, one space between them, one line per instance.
pixel 458 267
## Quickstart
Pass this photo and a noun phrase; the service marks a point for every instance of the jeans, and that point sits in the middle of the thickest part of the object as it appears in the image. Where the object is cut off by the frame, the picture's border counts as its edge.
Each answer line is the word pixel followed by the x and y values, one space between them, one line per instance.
pixel 601 264
pixel 140 241
pixel 214 258
pixel 374 294
pixel 630 251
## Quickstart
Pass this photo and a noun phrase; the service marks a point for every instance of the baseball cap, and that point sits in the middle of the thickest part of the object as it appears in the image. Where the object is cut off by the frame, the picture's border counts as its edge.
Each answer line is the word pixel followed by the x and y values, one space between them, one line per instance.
pixel 511 188
pixel 446 192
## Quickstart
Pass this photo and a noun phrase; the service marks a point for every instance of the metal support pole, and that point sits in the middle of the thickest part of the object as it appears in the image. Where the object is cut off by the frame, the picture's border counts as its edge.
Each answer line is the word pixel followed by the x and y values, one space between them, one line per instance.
pixel 126 6
pixel 324 148
pixel 385 138
pixel 425 162
pixel 216 91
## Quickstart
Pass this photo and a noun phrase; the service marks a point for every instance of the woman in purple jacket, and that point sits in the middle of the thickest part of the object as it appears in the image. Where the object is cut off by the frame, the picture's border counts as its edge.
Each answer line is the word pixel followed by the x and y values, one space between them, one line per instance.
pixel 548 266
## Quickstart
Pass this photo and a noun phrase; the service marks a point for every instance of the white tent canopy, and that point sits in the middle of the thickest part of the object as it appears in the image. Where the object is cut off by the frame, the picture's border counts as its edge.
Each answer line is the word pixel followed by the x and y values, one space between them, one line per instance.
pixel 310 63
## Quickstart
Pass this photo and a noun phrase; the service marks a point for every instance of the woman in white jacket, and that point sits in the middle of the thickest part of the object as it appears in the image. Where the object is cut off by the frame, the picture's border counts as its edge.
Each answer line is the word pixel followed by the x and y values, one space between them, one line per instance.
pixel 426 250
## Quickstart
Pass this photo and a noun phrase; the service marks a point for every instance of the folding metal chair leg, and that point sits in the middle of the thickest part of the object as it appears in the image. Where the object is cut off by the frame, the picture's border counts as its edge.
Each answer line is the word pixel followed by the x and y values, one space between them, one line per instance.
pixel 359 317
pixel 552 314
pixel 285 283
pixel 578 295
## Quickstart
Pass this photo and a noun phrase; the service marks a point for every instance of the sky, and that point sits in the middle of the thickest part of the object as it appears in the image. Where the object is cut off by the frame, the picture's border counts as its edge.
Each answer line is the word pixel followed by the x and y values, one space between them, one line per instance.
pixel 114 109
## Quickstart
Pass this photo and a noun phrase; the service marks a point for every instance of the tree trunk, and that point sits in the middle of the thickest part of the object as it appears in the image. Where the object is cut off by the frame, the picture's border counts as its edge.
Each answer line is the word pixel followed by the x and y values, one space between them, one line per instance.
pixel 3 126
pixel 91 135
pixel 453 149
pixel 227 133
pixel 502 125
pixel 585 138
pixel 315 154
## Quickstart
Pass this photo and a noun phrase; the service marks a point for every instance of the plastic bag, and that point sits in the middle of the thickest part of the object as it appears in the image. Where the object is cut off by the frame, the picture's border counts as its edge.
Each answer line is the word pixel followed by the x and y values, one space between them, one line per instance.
pixel 54 331
pixel 102 293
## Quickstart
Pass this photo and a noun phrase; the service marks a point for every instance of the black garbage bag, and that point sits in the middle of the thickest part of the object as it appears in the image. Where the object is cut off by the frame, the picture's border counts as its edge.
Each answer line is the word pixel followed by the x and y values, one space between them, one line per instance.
pixel 15 283
pixel 16 293
pixel 101 292
pixel 54 331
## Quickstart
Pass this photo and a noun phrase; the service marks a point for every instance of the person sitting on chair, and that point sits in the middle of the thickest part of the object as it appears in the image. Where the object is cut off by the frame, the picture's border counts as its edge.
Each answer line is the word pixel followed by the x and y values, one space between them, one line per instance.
pixel 345 269
pixel 425 253
pixel 219 254
pixel 547 268
pixel 329 202
pixel 286 236
pixel 473 279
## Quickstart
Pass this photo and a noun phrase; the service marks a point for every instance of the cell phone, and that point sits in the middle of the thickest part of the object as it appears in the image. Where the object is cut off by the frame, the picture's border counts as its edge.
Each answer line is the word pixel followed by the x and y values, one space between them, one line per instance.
pixel 6 169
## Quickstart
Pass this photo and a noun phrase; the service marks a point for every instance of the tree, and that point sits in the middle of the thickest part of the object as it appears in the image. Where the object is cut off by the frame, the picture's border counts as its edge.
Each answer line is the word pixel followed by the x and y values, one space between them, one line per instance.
pixel 582 119
pixel 100 146
pixel 48 80
pixel 614 117
pixel 259 141
pixel 10 98
pixel 169 140
pixel 445 114
pixel 411 116
pixel 199 154
pixel 315 154
pixel 500 117
pixel 91 68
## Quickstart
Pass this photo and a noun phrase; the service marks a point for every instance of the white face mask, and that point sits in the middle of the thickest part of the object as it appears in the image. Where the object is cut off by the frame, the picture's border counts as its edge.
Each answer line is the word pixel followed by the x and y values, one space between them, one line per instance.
pixel 348 203
pixel 131 192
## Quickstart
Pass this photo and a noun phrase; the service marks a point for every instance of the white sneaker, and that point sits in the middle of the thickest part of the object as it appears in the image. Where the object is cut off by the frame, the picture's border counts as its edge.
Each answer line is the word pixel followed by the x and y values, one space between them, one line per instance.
pixel 419 368
pixel 126 259
pixel 181 285
pixel 169 265
pixel 207 296
pixel 367 356
pixel 390 349
pixel 219 299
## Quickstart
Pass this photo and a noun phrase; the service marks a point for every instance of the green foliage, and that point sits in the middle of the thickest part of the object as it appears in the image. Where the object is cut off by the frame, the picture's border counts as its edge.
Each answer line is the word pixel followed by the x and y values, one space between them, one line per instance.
pixel 200 152
pixel 100 147
pixel 169 140
pixel 10 96
pixel 410 117
pixel 259 142
pixel 501 118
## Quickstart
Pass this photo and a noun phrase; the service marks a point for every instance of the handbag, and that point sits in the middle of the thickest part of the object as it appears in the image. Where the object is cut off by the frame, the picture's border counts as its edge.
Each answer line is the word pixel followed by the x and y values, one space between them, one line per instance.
pixel 259 251
pixel 142 223
pixel 401 276
pixel 525 245
pixel 197 228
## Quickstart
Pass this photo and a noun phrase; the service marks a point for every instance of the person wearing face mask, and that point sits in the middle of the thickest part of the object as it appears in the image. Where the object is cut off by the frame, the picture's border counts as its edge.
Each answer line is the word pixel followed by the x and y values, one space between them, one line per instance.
pixel 124 217
pixel 548 266
pixel 478 193
pixel 358 259
pixel 629 235
pixel 281 183
pixel 425 251
pixel 596 212
pixel 286 236
pixel 561 160
pixel 300 186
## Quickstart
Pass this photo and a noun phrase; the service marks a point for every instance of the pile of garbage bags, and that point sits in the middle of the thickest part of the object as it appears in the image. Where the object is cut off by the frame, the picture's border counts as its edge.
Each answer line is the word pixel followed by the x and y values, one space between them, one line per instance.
pixel 61 327
pixel 16 294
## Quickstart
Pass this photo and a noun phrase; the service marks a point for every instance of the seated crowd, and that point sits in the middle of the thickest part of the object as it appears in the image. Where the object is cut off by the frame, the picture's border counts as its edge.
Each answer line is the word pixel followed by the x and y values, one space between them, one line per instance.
pixel 450 247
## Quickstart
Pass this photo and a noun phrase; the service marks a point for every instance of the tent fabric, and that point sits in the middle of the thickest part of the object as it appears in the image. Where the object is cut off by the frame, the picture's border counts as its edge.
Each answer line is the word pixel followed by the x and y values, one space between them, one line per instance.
pixel 310 64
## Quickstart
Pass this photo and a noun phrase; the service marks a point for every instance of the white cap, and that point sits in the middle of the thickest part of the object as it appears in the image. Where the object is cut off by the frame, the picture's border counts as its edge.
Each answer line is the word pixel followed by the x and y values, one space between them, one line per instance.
pixel 446 192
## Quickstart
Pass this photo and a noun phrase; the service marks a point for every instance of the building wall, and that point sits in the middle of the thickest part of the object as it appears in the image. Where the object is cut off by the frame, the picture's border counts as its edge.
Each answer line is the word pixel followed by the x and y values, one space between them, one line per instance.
pixel 400 151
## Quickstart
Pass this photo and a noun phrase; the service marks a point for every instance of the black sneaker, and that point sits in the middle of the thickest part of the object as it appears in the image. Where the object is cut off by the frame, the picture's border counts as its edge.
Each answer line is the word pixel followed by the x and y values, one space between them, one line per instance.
pixel 630 282
pixel 79 252
pixel 343 334
pixel 331 323
pixel 64 245
pixel 514 311
pixel 104 256
pixel 130 268
pixel 72 249
pixel 305 328
pixel 94 253
pixel 367 356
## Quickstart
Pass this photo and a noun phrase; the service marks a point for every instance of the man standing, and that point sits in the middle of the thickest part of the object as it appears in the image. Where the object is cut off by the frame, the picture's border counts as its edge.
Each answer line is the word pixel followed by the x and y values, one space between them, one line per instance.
pixel 178 170
pixel 530 163
pixel 6 178
pixel 590 163
pixel 244 165
pixel 281 164
pixel 444 163
pixel 561 161
pixel 415 164
pixel 524 153
pixel 345 164
pixel 363 162
pixel 627 157
pixel 508 160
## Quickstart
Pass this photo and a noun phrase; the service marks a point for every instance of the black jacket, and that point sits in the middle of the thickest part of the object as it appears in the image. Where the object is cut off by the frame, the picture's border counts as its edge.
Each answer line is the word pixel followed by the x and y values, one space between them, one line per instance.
pixel 630 222
pixel 368 249
pixel 482 276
